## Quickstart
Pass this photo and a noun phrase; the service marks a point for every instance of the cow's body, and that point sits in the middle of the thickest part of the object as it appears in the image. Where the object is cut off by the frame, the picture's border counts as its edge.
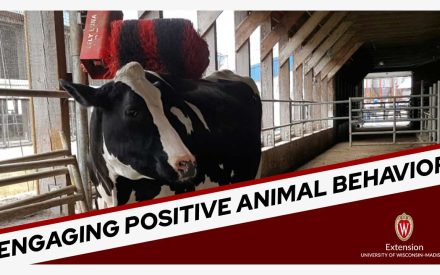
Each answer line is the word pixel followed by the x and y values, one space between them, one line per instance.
pixel 217 120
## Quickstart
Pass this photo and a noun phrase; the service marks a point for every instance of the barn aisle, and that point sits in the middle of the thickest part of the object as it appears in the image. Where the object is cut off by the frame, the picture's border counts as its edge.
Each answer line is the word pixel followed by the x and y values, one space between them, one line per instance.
pixel 343 152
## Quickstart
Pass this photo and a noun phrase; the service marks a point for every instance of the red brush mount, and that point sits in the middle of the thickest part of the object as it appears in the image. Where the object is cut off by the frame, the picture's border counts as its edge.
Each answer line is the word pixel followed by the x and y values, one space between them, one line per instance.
pixel 94 49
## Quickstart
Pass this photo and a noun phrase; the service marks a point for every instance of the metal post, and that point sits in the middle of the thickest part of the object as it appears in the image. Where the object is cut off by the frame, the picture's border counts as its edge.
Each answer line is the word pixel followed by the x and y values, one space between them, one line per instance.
pixel 394 120
pixel 78 76
pixel 438 112
pixel 349 121
pixel 422 112
pixel 430 115
pixel 302 119
pixel 290 121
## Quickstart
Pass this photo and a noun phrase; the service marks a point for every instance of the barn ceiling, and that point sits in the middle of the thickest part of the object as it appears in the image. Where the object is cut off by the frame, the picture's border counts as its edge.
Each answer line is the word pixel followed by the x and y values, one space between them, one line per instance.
pixel 396 39
pixel 399 39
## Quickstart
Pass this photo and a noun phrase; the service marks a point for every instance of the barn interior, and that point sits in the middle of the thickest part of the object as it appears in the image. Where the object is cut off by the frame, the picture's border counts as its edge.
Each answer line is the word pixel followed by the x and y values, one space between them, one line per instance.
pixel 335 86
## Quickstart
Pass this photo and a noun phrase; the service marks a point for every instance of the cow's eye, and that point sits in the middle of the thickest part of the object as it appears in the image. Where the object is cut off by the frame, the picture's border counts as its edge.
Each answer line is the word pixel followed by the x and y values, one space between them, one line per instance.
pixel 131 112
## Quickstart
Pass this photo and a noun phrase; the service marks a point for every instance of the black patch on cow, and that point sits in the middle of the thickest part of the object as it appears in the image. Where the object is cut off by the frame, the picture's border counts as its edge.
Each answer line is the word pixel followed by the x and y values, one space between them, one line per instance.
pixel 168 31
pixel 130 45
pixel 144 189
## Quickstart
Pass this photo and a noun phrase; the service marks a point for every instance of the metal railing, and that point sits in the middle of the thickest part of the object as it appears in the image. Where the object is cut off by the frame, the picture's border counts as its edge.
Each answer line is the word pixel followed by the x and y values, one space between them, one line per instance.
pixel 394 110
pixel 304 117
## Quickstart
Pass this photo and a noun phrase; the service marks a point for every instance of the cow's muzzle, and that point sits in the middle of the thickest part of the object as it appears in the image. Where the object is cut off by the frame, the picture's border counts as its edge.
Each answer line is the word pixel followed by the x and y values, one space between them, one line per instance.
pixel 186 169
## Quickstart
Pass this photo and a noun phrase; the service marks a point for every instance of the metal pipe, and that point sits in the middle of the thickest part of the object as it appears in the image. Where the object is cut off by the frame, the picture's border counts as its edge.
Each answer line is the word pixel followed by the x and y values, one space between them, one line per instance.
pixel 391 132
pixel 349 122
pixel 303 121
pixel 82 130
pixel 422 91
pixel 394 122
pixel 389 97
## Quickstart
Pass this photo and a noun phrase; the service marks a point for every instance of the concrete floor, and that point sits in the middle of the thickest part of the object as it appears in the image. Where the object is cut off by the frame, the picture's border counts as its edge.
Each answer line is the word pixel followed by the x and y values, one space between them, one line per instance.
pixel 343 152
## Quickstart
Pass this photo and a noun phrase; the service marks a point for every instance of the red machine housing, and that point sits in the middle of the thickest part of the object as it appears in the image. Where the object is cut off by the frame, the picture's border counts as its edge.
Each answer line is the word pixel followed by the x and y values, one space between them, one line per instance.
pixel 94 50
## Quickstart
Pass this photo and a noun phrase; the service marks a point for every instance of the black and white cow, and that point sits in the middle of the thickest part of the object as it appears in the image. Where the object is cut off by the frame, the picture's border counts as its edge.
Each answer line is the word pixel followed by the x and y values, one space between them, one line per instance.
pixel 153 133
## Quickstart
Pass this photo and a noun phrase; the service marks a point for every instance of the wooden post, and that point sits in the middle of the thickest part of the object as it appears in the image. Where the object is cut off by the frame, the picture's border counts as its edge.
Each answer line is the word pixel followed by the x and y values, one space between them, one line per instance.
pixel 150 14
pixel 331 97
pixel 324 98
pixel 284 86
pixel 45 40
pixel 298 98
pixel 317 98
pixel 308 96
pixel 267 89
pixel 242 55
pixel 208 30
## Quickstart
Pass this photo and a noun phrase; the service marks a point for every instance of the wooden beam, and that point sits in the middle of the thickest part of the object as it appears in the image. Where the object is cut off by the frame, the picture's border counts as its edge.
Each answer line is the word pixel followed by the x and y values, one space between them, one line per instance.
pixel 341 62
pixel 207 23
pixel 330 53
pixel 298 38
pixel 205 20
pixel 326 45
pixel 279 31
pixel 244 30
pixel 319 36
pixel 242 55
pixel 150 14
pixel 338 56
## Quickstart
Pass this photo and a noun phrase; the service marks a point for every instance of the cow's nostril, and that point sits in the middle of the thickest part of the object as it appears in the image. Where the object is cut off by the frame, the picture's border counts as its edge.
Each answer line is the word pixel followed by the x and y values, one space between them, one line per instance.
pixel 186 168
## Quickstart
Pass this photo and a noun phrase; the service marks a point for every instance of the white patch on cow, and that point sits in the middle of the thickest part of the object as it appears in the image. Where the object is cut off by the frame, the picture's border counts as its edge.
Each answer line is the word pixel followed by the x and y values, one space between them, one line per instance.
pixel 229 75
pixel 105 200
pixel 186 121
pixel 260 166
pixel 232 174
pixel 132 197
pixel 221 166
pixel 117 168
pixel 198 114
pixel 133 75
pixel 165 191
pixel 208 183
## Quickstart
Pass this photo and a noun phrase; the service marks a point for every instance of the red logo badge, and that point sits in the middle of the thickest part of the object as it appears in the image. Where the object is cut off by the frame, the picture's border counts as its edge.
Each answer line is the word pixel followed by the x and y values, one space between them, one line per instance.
pixel 404 226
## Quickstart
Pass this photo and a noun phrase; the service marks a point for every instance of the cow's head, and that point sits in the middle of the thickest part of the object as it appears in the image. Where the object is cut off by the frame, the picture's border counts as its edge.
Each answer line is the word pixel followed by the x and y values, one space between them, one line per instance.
pixel 138 139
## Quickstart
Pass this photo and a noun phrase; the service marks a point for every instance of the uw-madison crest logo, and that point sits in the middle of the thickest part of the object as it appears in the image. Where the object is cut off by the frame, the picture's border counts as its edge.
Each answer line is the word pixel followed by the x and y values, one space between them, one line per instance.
pixel 404 226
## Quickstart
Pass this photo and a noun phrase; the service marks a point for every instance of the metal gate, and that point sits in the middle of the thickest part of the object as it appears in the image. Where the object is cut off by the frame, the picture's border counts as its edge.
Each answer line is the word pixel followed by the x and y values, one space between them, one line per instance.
pixel 393 112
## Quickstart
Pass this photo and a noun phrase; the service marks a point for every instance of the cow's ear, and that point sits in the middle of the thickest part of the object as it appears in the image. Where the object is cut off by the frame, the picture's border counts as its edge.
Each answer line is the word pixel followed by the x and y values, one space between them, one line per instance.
pixel 83 94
